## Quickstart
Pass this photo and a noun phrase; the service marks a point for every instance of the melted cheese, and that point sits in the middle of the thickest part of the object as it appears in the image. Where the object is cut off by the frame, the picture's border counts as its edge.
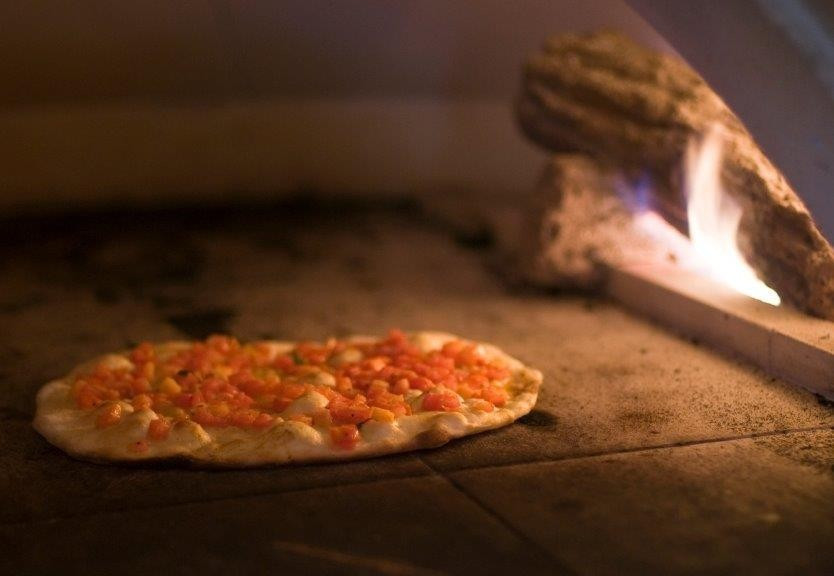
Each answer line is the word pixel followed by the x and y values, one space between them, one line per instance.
pixel 306 404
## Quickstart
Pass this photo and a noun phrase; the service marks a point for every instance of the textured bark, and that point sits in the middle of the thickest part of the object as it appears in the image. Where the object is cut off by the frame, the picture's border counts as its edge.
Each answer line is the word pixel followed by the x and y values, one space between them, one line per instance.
pixel 609 98
pixel 580 223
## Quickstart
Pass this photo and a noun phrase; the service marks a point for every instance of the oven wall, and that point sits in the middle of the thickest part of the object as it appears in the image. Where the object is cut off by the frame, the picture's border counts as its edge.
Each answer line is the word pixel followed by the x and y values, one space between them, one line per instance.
pixel 155 102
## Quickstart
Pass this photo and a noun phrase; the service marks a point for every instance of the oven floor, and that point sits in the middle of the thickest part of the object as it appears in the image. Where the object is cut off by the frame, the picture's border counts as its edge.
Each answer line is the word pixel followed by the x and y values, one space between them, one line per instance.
pixel 646 453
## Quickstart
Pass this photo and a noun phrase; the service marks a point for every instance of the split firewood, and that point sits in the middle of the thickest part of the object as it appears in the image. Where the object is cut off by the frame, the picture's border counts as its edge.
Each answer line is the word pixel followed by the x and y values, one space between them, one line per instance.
pixel 636 109
pixel 580 224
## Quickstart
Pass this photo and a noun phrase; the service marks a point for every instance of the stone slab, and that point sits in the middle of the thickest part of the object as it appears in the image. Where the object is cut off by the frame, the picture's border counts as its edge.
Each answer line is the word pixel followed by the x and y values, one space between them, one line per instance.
pixel 412 527
pixel 737 507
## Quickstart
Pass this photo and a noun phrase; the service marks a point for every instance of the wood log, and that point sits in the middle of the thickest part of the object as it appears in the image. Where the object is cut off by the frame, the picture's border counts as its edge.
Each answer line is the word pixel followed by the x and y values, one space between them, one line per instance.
pixel 579 232
pixel 579 225
pixel 638 110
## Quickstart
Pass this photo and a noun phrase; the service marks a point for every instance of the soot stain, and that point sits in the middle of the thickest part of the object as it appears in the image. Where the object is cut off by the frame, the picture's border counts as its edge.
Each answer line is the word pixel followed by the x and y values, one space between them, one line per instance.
pixel 567 505
pixel 199 324
pixel 164 302
pixel 22 304
pixel 105 294
pixel 823 401
pixel 286 244
pixel 480 239
pixel 539 419
pixel 356 263
pixel 13 414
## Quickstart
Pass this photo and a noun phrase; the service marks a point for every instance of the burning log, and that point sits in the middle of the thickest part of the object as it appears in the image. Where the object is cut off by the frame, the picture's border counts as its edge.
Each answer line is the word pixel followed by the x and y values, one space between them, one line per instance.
pixel 638 110
pixel 585 235
pixel 579 225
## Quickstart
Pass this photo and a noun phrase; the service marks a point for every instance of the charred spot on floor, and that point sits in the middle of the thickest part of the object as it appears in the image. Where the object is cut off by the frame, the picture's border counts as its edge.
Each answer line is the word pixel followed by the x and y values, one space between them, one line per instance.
pixel 539 419
pixel 107 294
pixel 199 324
pixel 23 303
pixel 823 401
pixel 481 238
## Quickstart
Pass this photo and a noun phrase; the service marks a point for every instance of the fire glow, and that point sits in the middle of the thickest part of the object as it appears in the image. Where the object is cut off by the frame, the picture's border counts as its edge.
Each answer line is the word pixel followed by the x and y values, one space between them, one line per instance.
pixel 713 218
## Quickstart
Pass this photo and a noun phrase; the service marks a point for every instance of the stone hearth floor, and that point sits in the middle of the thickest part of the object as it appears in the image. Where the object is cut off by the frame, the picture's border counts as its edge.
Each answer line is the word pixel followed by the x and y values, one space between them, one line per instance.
pixel 646 453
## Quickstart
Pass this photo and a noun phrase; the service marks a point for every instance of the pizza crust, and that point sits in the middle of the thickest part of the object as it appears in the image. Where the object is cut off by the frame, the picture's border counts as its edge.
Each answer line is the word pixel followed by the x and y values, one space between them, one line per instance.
pixel 74 430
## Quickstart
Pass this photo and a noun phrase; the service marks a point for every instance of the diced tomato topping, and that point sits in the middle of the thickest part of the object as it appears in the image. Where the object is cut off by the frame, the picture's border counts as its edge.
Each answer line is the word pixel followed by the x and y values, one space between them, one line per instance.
pixel 346 437
pixel 322 419
pixel 185 400
pixel 344 384
pixel 493 372
pixel 378 387
pixel 88 398
pixel 495 395
pixel 201 415
pixel 376 363
pixel 244 418
pixel 292 390
pixel 110 415
pixel 421 383
pixel 452 348
pixel 159 429
pixel 283 362
pixel 468 356
pixel 401 386
pixel 263 420
pixel 252 386
pixel 220 382
pixel 281 404
pixel 392 402
pixel 140 385
pixel 142 353
pixel 442 401
pixel 141 402
pixel 348 412
pixel 482 405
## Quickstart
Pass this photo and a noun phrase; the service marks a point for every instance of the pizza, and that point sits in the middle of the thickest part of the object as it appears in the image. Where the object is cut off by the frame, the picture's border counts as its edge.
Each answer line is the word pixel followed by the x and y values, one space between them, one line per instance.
pixel 220 402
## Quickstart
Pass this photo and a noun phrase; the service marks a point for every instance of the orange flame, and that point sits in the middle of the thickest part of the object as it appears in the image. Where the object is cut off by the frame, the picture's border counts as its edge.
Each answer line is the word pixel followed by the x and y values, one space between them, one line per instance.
pixel 713 223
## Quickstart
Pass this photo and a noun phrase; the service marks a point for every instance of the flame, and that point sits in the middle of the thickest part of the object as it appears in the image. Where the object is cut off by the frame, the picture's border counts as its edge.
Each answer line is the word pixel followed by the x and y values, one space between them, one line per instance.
pixel 713 223
pixel 713 220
